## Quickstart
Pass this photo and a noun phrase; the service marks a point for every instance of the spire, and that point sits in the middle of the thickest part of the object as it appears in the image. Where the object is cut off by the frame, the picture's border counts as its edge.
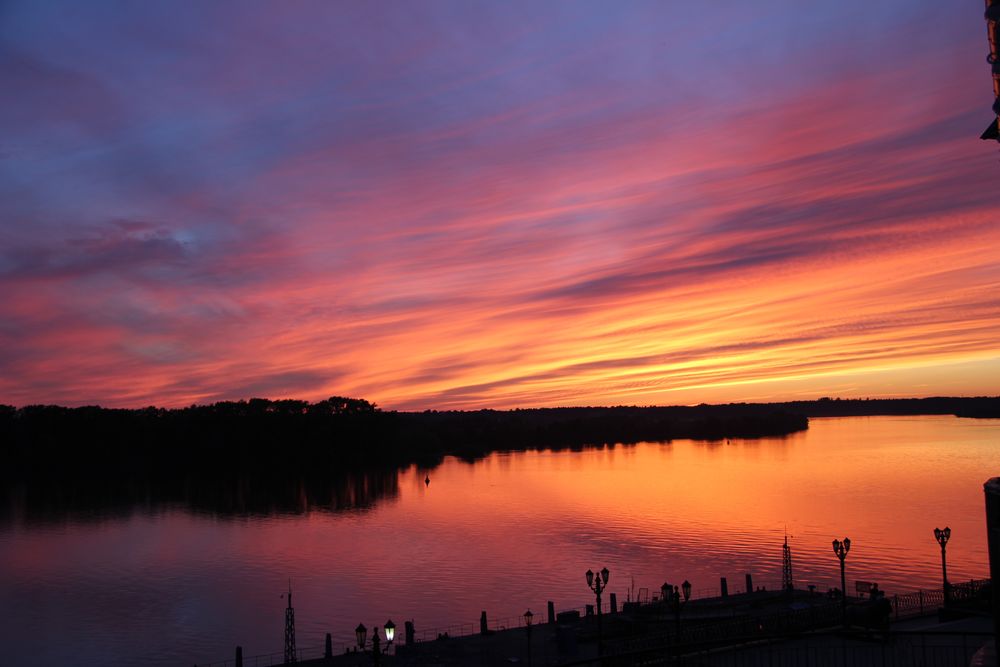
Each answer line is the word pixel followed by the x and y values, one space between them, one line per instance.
pixel 786 567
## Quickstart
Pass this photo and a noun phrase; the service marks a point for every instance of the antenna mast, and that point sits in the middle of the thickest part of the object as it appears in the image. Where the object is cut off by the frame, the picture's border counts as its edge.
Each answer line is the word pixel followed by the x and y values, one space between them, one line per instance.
pixel 786 567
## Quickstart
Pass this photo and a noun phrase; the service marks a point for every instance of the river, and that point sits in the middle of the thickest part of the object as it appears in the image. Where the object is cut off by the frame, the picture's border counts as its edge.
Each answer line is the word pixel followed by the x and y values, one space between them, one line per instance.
pixel 169 582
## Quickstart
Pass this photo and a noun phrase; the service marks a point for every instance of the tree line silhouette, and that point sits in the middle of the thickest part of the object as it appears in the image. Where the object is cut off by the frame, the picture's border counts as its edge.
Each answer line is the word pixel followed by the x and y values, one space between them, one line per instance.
pixel 235 435
pixel 351 432
pixel 340 454
pixel 985 407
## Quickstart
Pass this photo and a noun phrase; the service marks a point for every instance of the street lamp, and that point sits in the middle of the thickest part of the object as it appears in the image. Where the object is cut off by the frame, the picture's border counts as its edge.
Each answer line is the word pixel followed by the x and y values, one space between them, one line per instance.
pixel 528 617
pixel 390 633
pixel 841 549
pixel 672 596
pixel 598 584
pixel 942 537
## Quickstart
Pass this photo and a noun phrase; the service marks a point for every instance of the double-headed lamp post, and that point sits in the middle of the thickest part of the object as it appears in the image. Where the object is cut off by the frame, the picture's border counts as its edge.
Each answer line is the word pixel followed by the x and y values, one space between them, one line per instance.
pixel 598 584
pixel 672 596
pixel 942 537
pixel 390 633
pixel 841 549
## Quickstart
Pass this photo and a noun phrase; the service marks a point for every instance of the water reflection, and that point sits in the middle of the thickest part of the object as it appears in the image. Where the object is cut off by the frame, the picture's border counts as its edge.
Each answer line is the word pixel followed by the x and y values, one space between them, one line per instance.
pixel 37 501
pixel 191 567
pixel 58 496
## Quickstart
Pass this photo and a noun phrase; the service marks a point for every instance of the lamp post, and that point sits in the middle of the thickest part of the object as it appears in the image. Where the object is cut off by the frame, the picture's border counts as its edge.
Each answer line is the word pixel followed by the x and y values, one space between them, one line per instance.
pixel 528 617
pixel 598 584
pixel 672 596
pixel 841 549
pixel 390 633
pixel 678 603
pixel 942 537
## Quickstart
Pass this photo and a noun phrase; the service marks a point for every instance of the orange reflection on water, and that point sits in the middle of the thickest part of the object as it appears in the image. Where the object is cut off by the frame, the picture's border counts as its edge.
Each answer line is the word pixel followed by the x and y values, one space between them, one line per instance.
pixel 505 534
pixel 700 510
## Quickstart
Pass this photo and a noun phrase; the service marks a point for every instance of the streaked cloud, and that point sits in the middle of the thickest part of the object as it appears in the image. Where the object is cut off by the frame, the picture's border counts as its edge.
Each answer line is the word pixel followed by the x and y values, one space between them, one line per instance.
pixel 454 205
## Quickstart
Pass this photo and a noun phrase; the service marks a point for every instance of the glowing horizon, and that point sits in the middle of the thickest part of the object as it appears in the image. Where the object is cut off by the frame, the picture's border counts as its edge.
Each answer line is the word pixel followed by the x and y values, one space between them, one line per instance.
pixel 456 205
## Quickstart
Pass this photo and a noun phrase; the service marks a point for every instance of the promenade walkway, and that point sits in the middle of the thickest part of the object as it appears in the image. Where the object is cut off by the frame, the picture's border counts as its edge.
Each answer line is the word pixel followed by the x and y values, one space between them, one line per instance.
pixel 759 628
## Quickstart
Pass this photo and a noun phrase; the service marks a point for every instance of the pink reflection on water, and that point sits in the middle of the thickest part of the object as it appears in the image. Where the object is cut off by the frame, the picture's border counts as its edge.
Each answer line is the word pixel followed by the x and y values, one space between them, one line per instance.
pixel 505 534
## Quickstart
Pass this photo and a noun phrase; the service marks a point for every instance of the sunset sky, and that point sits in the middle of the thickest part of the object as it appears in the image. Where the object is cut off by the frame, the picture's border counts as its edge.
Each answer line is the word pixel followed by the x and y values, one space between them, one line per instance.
pixel 496 204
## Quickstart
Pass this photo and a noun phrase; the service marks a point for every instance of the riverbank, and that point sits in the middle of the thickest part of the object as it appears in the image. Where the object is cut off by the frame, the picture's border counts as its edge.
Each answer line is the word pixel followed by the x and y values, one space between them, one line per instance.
pixel 294 435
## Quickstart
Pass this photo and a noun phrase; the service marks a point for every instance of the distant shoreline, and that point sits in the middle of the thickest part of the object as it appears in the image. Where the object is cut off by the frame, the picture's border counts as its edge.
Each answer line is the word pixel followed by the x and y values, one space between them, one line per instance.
pixel 262 457
pixel 983 407
pixel 289 434
pixel 821 407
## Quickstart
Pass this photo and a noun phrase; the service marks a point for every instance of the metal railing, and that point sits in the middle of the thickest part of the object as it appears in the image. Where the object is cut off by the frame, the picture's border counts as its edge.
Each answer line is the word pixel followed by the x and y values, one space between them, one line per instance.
pixel 455 630
pixel 918 603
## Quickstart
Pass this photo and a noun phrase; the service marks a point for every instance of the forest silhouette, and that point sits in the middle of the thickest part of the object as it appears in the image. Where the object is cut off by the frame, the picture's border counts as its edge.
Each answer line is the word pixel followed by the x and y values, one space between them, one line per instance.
pixel 288 434
pixel 341 454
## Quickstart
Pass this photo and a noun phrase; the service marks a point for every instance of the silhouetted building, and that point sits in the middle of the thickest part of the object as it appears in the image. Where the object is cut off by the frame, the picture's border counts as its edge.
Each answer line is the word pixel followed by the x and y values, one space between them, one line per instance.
pixel 992 490
pixel 993 34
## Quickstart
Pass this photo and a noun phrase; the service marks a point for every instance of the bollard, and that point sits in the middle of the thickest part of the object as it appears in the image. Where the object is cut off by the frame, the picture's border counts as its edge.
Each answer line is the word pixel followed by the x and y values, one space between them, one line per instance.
pixel 724 586
pixel 239 656
pixel 749 583
pixel 410 632
pixel 992 490
pixel 552 612
pixel 328 652
pixel 614 603
pixel 482 624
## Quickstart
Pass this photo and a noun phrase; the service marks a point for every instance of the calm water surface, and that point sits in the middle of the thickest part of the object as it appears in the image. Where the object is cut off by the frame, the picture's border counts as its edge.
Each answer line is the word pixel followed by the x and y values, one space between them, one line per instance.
pixel 163 584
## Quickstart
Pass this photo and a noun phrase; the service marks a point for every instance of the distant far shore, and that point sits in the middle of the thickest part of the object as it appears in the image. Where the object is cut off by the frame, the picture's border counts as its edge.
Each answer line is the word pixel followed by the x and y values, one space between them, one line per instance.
pixel 276 434
pixel 262 457
pixel 985 407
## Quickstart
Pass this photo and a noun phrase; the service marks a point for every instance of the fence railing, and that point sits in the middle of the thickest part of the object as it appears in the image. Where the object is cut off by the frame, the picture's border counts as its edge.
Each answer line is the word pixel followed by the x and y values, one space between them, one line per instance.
pixel 918 603
pixel 456 630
